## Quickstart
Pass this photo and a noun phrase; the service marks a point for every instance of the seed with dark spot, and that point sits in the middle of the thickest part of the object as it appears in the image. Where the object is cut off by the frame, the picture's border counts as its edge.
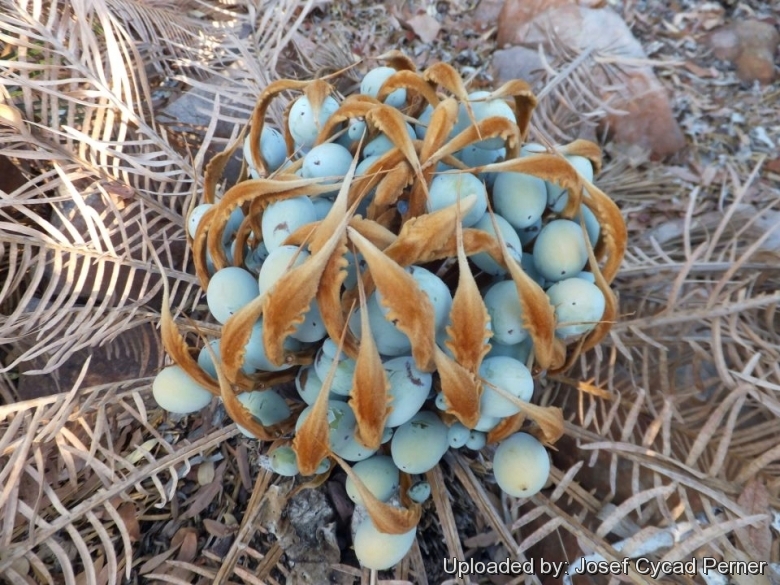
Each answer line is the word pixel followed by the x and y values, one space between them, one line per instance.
pixel 415 381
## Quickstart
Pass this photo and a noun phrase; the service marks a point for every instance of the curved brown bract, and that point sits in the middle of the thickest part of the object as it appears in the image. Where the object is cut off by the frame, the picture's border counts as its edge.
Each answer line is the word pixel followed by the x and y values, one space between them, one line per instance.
pixel 462 389
pixel 329 297
pixel 493 127
pixel 548 424
pixel 386 517
pixel 549 167
pixel 614 233
pixel 587 149
pixel 474 242
pixel 235 335
pixel 355 106
pixel 369 398
pixel 388 218
pixel 443 119
pixel 410 308
pixel 329 300
pixel 390 121
pixel 508 426
pixel 254 218
pixel 289 299
pixel 538 317
pixel 176 346
pixel 375 233
pixel 312 441
pixel 242 237
pixel 258 119
pixel 317 91
pixel 432 231
pixel 362 185
pixel 525 102
pixel 215 168
pixel 390 188
pixel 469 329
pixel 239 413
pixel 446 76
pixel 302 235
pixel 408 80
pixel 397 60
pixel 613 250
pixel 199 248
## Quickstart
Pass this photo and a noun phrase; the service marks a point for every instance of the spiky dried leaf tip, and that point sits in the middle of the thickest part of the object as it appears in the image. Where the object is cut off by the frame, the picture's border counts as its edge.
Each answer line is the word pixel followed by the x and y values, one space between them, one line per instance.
pixel 413 265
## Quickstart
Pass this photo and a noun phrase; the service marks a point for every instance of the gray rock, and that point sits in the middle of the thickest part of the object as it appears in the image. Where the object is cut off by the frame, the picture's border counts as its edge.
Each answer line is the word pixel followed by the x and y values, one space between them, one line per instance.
pixel 194 109
pixel 633 103
pixel 518 63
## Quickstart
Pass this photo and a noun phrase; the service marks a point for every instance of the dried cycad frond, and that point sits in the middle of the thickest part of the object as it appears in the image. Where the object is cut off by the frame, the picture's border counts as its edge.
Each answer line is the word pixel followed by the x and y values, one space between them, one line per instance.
pixel 121 175
pixel 75 434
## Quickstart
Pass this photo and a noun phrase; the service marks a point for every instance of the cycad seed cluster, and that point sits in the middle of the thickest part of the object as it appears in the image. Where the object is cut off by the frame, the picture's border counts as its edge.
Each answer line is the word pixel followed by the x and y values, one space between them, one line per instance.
pixel 413 264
